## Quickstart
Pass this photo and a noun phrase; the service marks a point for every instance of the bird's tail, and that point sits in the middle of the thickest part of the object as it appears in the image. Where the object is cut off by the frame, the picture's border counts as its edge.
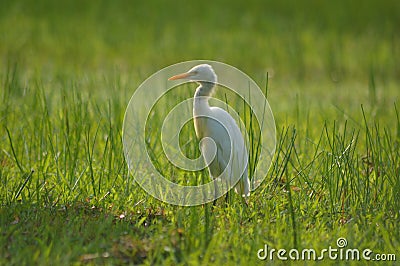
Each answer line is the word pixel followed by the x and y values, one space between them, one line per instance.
pixel 243 186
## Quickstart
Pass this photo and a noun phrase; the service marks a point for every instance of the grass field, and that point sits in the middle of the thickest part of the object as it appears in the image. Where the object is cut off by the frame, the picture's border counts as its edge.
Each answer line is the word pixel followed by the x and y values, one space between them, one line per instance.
pixel 69 68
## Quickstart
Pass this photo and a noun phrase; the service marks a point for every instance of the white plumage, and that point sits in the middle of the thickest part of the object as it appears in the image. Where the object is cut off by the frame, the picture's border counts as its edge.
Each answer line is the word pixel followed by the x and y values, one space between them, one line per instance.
pixel 230 161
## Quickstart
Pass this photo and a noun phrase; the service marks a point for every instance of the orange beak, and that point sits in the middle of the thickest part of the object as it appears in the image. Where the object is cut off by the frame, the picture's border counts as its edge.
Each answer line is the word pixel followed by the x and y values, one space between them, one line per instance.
pixel 181 76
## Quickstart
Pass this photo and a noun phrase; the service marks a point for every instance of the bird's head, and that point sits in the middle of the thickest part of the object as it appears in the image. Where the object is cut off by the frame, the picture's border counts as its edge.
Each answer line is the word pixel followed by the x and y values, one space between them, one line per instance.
pixel 200 73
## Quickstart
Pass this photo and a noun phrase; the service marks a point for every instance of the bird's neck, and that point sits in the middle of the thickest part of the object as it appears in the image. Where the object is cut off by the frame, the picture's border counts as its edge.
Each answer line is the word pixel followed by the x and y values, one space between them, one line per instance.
pixel 201 108
pixel 201 96
pixel 205 89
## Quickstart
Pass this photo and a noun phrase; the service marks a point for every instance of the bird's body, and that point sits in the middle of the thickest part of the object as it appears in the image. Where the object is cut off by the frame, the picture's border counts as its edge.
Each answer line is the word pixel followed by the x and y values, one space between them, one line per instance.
pixel 230 161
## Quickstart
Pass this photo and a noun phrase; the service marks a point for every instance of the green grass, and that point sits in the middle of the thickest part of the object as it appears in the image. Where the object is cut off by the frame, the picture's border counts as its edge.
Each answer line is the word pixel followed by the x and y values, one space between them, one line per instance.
pixel 67 72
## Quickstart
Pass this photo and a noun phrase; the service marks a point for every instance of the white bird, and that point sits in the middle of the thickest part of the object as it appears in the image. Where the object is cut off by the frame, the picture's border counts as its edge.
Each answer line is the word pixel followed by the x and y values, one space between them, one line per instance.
pixel 215 123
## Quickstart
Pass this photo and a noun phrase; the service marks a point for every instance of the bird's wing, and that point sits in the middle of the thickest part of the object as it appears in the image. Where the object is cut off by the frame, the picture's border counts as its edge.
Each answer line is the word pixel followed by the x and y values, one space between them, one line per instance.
pixel 222 135
pixel 225 133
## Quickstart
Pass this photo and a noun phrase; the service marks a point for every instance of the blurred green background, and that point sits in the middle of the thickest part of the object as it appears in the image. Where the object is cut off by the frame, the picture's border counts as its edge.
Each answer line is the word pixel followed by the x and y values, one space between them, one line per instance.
pixel 308 39
pixel 337 44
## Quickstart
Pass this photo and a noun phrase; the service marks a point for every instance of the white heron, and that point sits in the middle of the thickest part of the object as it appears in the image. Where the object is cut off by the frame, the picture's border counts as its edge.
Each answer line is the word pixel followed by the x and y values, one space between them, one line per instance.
pixel 215 123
